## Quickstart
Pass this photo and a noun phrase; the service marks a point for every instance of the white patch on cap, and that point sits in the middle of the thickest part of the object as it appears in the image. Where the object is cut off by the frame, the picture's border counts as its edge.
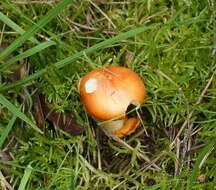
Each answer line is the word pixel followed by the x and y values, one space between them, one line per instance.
pixel 91 85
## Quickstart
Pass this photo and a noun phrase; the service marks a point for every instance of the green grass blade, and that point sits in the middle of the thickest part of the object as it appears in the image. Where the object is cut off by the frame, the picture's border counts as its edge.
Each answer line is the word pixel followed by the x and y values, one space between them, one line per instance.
pixel 92 49
pixel 24 80
pixel 40 171
pixel 29 52
pixel 207 121
pixel 154 187
pixel 76 56
pixel 199 160
pixel 7 130
pixel 17 113
pixel 30 32
pixel 25 178
pixel 54 36
pixel 15 27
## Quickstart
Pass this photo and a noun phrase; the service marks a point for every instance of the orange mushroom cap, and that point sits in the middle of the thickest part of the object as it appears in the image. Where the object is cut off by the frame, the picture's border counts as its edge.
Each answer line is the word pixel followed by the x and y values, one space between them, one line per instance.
pixel 106 93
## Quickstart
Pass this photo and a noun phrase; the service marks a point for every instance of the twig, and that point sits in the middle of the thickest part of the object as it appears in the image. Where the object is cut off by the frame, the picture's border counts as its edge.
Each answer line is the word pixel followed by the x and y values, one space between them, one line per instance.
pixel 4 182
pixel 61 34
pixel 205 157
pixel 103 31
pixel 44 37
pixel 104 14
pixel 197 146
pixel 36 2
pixel 154 15
pixel 178 144
pixel 87 27
pixel 9 32
pixel 112 3
pixel 80 25
pixel 196 131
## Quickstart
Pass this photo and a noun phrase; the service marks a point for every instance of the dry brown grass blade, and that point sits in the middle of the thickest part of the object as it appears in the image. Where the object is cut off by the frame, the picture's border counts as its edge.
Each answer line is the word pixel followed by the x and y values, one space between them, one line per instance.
pixel 103 13
pixel 160 13
pixel 89 28
pixel 36 2
pixel 4 184
pixel 111 3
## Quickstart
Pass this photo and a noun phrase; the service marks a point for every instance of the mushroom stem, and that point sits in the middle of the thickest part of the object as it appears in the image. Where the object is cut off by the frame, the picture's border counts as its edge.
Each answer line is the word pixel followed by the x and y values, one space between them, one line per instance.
pixel 122 127
pixel 129 127
pixel 112 125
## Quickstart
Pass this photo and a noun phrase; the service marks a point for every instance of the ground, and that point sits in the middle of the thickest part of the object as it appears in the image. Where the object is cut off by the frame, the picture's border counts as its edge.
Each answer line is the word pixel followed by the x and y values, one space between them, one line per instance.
pixel 47 46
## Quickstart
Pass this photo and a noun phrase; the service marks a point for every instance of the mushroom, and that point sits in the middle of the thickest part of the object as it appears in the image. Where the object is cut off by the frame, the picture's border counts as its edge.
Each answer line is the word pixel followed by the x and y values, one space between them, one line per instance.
pixel 106 94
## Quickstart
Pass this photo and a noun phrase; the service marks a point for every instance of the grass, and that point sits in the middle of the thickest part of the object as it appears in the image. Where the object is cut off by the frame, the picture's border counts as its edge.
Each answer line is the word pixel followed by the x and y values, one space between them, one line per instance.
pixel 168 43
pixel 16 112
pixel 25 178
